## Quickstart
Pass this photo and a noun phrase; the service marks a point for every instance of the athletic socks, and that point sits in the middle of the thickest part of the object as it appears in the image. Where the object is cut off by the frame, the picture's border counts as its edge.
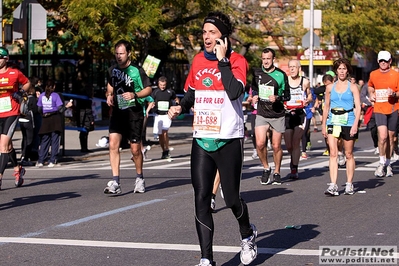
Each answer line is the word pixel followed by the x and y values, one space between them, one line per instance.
pixel 13 158
pixel 116 179
pixel 3 162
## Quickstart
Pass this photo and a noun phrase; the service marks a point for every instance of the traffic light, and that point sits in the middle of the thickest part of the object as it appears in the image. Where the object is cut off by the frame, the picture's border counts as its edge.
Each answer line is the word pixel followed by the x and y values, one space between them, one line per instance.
pixel 7 32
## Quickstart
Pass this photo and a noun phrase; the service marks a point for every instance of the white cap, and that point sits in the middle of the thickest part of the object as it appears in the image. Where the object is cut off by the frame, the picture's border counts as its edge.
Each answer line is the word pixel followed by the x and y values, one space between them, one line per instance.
pixel 384 55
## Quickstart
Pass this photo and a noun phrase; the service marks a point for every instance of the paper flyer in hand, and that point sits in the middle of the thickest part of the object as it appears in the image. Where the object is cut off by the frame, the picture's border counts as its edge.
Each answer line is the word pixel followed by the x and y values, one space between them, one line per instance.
pixel 150 65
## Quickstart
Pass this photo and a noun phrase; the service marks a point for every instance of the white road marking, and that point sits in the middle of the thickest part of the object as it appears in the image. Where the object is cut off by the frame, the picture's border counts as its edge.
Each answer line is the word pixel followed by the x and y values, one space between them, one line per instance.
pixel 155 246
pixel 183 163
pixel 169 165
pixel 30 238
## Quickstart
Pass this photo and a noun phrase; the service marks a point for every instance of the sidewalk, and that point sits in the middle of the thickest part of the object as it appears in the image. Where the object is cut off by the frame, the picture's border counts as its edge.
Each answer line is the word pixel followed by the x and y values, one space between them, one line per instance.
pixel 179 133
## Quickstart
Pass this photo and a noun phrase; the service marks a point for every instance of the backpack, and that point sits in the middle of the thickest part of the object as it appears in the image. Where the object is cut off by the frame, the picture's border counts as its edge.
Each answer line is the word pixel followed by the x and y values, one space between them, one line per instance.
pixel 23 108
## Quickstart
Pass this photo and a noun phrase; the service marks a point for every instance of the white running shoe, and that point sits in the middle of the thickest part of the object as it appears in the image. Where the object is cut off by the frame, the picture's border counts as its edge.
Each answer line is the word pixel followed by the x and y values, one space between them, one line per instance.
pixel 380 171
pixel 213 205
pixel 269 145
pixel 221 191
pixel 140 185
pixel 332 190
pixel 144 152
pixel 341 159
pixel 389 172
pixel 376 151
pixel 112 188
pixel 205 262
pixel 349 189
pixel 255 155
pixel 249 250
pixel 304 156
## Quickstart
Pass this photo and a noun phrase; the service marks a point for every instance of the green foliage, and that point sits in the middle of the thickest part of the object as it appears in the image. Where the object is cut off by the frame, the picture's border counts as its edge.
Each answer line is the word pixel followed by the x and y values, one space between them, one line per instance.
pixel 362 25
pixel 154 26
pixel 141 21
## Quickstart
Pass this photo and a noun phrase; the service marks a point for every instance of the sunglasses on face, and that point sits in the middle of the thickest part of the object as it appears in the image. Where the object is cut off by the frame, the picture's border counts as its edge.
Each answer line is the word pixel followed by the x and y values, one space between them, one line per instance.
pixel 382 60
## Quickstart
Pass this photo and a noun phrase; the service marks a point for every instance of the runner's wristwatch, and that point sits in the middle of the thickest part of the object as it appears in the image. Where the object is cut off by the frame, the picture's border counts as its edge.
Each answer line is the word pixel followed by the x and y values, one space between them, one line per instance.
pixel 224 60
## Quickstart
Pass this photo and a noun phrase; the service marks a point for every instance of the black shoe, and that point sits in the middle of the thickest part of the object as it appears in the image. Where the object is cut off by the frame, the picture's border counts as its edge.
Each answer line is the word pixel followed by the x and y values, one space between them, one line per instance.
pixel 276 179
pixel 265 179
pixel 165 154
pixel 27 163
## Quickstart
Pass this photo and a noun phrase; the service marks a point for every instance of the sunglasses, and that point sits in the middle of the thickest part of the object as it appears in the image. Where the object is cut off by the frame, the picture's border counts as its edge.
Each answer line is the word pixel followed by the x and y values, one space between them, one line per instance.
pixel 382 60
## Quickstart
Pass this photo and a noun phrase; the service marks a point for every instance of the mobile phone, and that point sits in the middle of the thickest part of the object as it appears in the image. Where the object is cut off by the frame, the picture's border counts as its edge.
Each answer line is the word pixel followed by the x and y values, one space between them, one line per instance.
pixel 222 38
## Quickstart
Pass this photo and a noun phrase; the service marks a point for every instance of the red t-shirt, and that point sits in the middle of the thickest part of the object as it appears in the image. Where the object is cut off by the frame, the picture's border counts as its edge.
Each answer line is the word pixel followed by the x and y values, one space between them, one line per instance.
pixel 9 83
pixel 202 68
pixel 215 115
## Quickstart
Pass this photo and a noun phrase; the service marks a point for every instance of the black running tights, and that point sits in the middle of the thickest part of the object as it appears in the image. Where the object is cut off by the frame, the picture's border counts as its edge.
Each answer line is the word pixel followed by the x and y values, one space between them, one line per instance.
pixel 228 160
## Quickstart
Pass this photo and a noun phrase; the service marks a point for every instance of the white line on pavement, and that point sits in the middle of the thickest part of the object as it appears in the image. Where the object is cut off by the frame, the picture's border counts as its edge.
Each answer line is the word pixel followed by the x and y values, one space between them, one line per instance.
pixel 93 217
pixel 184 164
pixel 159 246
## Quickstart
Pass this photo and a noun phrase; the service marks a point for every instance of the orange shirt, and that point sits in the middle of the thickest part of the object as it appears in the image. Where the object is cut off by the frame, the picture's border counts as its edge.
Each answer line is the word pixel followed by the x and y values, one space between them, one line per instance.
pixel 381 81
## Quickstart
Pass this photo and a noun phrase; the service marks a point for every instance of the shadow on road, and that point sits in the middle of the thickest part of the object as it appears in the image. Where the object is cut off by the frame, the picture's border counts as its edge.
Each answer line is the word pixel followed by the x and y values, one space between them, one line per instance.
pixel 19 202
pixel 369 184
pixel 280 239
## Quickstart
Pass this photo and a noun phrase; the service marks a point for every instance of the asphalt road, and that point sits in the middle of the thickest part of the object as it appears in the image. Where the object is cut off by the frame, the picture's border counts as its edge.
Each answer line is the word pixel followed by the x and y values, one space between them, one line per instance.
pixel 61 217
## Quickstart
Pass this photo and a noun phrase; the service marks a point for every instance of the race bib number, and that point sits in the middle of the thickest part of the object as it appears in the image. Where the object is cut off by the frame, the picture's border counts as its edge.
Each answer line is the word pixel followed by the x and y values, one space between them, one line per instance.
pixel 265 91
pixel 163 105
pixel 124 104
pixel 381 95
pixel 5 104
pixel 207 121
pixel 339 119
pixel 297 97
pixel 336 131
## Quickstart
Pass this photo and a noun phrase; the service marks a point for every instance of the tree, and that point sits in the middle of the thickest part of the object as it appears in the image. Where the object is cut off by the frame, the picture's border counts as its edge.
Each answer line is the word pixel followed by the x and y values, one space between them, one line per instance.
pixel 361 25
pixel 264 23
pixel 156 27
pixel 148 24
pixel 156 24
